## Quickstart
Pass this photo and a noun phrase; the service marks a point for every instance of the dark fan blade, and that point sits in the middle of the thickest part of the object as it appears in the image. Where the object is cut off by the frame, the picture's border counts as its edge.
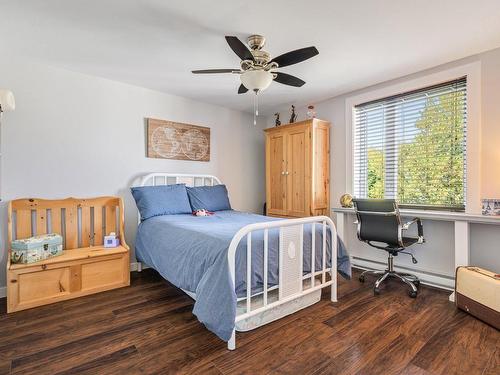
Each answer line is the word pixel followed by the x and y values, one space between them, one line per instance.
pixel 289 80
pixel 239 48
pixel 295 57
pixel 209 71
pixel 242 89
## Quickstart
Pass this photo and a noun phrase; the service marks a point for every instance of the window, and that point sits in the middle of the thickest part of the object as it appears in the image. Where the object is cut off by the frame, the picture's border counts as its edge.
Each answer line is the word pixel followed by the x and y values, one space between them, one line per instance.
pixel 412 147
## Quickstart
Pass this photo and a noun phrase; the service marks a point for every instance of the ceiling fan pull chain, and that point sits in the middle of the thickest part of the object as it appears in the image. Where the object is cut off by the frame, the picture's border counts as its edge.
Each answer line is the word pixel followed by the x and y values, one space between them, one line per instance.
pixel 254 116
pixel 255 107
pixel 256 102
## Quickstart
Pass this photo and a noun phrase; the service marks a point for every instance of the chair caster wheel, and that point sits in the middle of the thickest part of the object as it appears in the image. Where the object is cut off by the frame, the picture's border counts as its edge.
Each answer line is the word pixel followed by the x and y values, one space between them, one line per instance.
pixel 412 294
pixel 376 291
pixel 362 279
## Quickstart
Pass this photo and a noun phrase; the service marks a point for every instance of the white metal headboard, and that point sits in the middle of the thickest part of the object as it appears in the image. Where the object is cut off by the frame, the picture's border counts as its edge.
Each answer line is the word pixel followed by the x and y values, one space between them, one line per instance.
pixel 159 178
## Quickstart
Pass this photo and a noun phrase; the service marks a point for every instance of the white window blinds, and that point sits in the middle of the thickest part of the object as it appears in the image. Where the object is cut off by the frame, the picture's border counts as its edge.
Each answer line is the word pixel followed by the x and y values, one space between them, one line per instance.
pixel 412 147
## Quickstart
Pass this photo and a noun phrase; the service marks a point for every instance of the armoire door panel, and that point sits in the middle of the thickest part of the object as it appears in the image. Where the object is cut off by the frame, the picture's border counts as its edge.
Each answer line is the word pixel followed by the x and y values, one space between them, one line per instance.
pixel 298 172
pixel 321 161
pixel 276 187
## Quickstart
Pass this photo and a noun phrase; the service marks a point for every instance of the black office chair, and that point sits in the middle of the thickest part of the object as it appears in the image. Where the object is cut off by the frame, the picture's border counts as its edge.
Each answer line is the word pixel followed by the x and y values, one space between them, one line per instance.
pixel 379 225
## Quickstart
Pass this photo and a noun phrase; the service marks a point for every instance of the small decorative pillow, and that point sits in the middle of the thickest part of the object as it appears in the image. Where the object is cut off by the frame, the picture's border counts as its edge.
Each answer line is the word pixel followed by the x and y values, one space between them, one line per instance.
pixel 161 200
pixel 210 198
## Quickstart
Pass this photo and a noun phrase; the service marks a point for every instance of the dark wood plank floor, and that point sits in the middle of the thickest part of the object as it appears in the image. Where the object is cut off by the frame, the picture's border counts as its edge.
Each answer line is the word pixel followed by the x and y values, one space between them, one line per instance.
pixel 149 328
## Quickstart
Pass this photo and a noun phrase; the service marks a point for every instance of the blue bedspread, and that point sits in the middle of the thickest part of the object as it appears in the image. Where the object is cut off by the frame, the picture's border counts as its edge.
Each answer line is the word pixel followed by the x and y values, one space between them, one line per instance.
pixel 191 253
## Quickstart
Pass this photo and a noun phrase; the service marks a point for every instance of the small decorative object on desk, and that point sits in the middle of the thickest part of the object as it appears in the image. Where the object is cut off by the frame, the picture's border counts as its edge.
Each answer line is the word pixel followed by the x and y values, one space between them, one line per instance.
pixel 311 113
pixel 293 115
pixel 277 122
pixel 111 240
pixel 491 207
pixel 35 249
pixel 346 200
pixel 202 212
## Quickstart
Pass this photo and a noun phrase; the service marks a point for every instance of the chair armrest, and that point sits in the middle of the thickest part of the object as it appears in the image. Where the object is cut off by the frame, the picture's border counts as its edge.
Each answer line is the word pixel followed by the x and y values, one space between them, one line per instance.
pixel 420 228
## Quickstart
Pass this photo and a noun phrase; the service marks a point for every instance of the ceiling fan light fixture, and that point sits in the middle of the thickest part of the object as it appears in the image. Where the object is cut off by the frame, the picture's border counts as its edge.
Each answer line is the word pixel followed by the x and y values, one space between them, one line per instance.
pixel 256 79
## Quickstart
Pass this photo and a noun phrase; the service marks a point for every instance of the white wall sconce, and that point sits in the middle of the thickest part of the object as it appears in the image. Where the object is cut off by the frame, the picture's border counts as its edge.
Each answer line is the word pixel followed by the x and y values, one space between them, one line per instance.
pixel 7 101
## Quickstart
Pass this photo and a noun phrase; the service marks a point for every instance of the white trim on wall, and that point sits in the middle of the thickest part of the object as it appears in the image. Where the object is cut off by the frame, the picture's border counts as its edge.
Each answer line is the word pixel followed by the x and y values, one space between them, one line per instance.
pixel 134 266
pixel 473 73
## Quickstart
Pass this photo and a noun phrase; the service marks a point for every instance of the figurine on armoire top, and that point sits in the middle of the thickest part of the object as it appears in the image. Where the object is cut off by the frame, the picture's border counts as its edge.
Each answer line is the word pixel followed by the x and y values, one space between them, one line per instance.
pixel 293 115
pixel 277 122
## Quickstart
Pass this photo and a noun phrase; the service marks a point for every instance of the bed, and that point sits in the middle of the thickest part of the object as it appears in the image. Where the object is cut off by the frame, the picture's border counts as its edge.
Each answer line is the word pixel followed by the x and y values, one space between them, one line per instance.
pixel 214 258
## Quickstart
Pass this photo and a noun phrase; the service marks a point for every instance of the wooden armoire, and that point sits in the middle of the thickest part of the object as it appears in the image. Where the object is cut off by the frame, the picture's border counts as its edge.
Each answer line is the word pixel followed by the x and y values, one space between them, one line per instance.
pixel 298 169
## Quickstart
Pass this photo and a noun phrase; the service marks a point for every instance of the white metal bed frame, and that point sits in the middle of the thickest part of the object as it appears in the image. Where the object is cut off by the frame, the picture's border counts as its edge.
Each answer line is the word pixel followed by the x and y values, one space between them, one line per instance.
pixel 291 234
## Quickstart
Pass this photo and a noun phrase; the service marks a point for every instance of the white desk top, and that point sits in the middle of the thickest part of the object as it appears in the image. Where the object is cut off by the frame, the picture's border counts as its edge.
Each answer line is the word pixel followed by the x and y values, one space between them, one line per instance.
pixel 437 215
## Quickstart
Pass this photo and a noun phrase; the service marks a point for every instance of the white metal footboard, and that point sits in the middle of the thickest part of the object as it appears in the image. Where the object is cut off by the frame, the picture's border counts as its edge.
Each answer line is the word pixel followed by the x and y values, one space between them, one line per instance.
pixel 291 278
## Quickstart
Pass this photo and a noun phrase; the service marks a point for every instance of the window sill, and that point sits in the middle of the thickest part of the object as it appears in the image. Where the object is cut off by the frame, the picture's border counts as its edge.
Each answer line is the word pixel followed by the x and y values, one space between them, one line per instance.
pixel 437 215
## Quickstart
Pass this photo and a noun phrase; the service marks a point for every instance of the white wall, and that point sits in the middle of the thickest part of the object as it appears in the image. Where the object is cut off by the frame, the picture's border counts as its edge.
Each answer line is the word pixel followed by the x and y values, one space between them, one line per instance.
pixel 437 254
pixel 83 136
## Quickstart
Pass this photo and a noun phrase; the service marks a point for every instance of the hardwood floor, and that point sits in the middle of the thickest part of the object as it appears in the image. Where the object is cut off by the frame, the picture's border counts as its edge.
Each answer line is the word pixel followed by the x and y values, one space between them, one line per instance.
pixel 149 328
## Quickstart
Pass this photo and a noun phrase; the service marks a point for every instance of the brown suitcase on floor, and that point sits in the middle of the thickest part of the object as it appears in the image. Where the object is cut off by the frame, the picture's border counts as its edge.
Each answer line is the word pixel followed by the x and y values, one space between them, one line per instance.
pixel 477 291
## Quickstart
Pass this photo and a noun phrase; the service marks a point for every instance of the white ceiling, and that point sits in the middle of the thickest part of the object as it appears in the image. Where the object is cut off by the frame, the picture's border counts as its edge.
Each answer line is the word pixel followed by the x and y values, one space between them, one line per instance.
pixel 156 43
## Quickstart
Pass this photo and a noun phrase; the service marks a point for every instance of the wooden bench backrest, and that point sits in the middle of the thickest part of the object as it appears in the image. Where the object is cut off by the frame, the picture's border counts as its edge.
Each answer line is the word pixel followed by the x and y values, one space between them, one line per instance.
pixel 81 222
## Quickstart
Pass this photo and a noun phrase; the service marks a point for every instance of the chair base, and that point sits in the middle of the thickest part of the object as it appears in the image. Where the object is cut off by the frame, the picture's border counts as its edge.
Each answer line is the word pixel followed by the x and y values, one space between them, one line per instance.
pixel 411 280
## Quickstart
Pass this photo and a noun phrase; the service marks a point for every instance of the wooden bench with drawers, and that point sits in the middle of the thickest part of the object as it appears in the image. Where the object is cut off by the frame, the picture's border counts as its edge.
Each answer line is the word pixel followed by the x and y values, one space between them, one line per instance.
pixel 85 267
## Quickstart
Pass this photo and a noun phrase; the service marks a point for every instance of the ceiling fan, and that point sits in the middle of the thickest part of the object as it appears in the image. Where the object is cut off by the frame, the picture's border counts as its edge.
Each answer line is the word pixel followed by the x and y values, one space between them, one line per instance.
pixel 257 69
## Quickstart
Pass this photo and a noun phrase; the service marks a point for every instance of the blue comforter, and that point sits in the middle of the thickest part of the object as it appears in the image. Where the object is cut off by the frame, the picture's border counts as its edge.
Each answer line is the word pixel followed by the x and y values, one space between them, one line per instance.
pixel 191 253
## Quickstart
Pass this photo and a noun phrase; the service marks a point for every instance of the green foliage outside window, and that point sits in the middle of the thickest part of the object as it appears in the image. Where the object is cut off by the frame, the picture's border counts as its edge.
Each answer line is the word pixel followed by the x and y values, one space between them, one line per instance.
pixel 376 171
pixel 430 167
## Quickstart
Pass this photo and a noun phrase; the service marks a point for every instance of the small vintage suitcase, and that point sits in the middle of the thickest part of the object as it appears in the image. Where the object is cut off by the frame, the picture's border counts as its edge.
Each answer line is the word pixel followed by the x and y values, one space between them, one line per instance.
pixel 35 249
pixel 477 291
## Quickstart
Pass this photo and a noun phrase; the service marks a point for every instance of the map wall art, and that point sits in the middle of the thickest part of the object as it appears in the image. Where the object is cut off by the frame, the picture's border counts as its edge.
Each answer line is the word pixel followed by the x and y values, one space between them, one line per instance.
pixel 175 140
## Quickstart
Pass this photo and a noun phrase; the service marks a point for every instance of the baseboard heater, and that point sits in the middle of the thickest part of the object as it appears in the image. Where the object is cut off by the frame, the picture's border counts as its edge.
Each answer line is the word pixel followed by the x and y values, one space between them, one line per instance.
pixel 435 279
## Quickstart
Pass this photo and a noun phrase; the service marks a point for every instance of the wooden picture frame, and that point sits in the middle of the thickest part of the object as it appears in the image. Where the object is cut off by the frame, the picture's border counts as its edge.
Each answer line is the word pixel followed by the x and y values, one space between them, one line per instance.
pixel 178 141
